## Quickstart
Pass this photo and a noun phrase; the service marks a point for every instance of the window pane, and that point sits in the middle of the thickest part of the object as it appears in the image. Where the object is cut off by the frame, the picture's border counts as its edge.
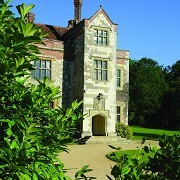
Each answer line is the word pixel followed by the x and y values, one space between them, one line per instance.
pixel 43 73
pixel 118 118
pixel 95 32
pixel 95 74
pixel 105 75
pixel 48 74
pixel 37 64
pixel 105 33
pixel 100 75
pixel 100 64
pixel 118 109
pixel 48 64
pixel 104 65
pixel 95 64
pixel 100 33
pixel 33 73
pixel 43 64
pixel 100 37
pixel 118 82
pixel 118 72
pixel 105 41
pixel 38 73
pixel 100 70
pixel 100 40
pixel 95 39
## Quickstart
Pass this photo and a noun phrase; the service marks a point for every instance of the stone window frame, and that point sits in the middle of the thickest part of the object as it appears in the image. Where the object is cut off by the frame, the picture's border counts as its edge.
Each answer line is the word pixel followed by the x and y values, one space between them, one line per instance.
pixel 120 86
pixel 103 60
pixel 104 29
pixel 42 68
pixel 119 114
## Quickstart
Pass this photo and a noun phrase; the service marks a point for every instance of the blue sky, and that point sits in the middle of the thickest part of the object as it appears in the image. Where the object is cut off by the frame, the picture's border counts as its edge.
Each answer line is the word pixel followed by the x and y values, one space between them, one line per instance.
pixel 147 28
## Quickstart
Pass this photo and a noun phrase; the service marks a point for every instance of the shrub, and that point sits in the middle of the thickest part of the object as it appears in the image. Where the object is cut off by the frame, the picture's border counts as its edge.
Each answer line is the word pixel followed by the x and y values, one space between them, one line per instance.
pixel 151 163
pixel 165 163
pixel 31 132
pixel 124 130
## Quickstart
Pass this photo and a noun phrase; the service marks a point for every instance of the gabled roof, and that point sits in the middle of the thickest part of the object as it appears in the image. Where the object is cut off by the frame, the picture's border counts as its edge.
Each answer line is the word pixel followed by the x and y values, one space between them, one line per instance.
pixel 101 11
pixel 54 32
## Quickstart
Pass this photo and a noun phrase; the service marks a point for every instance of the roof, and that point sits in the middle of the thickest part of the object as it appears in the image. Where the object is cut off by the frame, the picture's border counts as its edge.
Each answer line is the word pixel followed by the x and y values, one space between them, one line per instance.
pixel 102 11
pixel 54 32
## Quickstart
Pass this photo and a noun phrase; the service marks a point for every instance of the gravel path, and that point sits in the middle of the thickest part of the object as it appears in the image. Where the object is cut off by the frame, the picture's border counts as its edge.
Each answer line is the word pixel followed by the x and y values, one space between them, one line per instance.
pixel 94 155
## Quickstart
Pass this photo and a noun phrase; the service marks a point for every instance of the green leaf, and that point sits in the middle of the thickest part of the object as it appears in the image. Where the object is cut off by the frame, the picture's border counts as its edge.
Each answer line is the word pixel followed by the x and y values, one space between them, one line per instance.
pixel 14 144
pixel 23 9
pixel 24 177
pixel 126 170
pixel 82 171
pixel 35 177
pixel 9 132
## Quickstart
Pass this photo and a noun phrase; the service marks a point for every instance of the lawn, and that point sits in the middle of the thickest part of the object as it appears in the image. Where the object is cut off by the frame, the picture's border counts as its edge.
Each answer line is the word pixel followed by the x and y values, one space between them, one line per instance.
pixel 120 153
pixel 115 156
pixel 150 134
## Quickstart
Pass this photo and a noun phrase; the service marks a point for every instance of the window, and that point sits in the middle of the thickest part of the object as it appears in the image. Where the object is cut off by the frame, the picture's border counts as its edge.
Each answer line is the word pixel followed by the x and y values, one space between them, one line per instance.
pixel 100 70
pixel 118 113
pixel 100 37
pixel 119 78
pixel 42 69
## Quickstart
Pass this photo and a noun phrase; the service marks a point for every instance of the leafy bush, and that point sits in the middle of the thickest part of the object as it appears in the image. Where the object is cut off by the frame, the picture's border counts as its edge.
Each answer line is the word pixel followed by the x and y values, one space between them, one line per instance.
pixel 165 163
pixel 32 133
pixel 150 163
pixel 124 130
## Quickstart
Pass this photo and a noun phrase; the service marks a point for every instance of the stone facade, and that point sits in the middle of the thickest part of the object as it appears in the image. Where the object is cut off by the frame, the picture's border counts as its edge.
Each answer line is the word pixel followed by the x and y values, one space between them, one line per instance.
pixel 76 57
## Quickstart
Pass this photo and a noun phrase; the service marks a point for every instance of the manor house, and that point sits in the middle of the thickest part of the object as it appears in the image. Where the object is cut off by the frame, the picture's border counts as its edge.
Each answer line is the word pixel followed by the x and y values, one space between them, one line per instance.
pixel 83 60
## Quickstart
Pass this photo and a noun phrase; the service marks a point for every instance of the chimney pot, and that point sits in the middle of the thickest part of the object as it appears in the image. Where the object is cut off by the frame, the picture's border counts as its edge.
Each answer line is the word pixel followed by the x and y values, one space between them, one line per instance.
pixel 30 17
pixel 77 10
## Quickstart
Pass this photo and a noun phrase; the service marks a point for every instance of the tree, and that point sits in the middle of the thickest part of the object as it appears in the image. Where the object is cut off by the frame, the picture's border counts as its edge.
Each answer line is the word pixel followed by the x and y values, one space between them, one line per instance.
pixel 170 111
pixel 147 88
pixel 32 133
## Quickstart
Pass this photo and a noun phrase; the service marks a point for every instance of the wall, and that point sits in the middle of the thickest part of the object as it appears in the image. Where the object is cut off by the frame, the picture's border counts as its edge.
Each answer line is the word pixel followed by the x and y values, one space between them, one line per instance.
pixel 92 87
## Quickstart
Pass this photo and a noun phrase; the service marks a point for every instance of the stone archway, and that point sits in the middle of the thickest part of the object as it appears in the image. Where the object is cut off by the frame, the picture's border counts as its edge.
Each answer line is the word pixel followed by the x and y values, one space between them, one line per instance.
pixel 98 125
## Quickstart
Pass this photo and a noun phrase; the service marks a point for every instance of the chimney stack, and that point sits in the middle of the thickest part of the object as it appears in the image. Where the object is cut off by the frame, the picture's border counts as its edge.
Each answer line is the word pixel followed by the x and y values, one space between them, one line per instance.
pixel 30 17
pixel 77 10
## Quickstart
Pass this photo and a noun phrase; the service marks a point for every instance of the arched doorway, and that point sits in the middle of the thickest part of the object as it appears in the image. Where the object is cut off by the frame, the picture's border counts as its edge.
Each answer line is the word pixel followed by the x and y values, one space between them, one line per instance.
pixel 98 125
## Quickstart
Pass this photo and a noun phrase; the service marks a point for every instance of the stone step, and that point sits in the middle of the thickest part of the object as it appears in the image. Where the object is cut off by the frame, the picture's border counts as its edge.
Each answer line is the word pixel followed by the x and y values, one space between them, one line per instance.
pixel 106 140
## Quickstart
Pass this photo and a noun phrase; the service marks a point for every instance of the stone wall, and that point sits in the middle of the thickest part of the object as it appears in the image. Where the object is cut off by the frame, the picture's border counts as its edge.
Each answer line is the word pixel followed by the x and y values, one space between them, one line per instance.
pixel 94 87
pixel 122 94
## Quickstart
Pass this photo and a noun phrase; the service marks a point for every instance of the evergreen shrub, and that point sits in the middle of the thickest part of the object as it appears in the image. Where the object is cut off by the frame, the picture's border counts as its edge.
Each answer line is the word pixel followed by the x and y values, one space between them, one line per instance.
pixel 124 130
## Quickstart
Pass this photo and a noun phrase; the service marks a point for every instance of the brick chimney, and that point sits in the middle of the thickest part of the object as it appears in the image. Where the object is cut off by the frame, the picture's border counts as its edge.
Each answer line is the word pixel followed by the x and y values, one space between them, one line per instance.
pixel 77 10
pixel 30 17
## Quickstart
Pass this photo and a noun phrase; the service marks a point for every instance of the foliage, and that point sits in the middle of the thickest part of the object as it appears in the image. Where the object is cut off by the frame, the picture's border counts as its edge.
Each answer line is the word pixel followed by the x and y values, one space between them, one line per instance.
pixel 150 163
pixel 121 153
pixel 32 132
pixel 124 130
pixel 147 88
pixel 170 111
pixel 165 163
pixel 150 133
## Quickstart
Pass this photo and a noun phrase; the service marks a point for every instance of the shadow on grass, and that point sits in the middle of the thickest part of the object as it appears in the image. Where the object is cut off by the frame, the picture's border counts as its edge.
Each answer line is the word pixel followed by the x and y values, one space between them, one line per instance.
pixel 146 136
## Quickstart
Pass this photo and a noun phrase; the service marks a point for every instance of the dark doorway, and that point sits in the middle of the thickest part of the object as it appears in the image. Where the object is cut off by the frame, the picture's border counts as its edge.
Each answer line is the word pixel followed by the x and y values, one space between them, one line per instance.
pixel 98 125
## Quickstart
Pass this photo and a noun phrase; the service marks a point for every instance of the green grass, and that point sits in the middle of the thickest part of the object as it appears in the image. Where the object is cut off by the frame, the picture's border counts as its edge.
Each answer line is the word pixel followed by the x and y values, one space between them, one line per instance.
pixel 130 153
pixel 150 134
pixel 120 153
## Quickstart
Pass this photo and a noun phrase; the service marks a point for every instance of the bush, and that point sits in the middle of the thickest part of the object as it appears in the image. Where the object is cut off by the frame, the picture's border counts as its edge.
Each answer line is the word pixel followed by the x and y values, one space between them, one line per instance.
pixel 124 130
pixel 150 163
pixel 32 133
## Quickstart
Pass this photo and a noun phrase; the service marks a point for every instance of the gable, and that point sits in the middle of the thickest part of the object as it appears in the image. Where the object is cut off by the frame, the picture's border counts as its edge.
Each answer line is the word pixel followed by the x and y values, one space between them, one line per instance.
pixel 100 18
